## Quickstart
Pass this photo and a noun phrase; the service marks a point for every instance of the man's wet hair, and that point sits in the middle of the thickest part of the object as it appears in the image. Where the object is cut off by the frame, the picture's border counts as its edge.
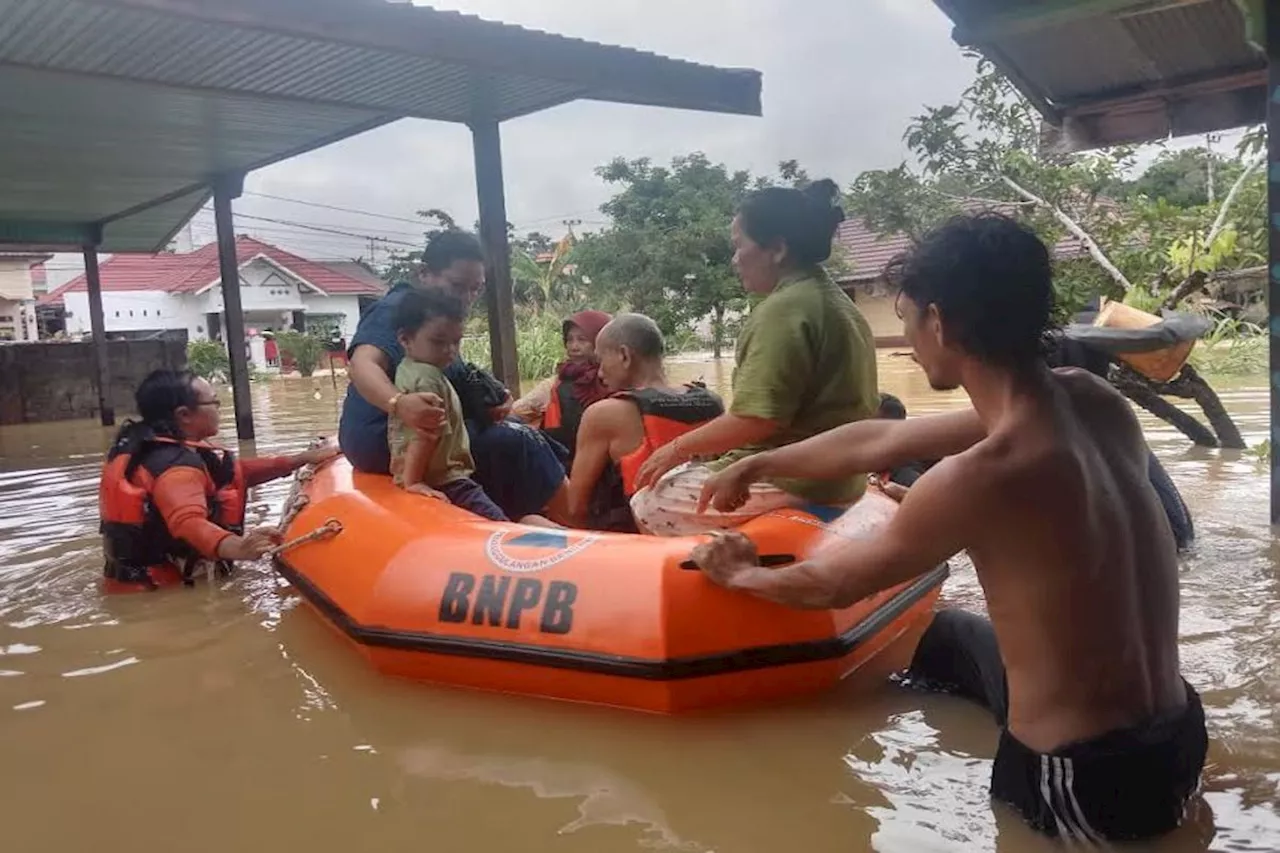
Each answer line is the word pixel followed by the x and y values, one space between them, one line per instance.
pixel 419 306
pixel 637 333
pixel 445 248
pixel 891 408
pixel 991 279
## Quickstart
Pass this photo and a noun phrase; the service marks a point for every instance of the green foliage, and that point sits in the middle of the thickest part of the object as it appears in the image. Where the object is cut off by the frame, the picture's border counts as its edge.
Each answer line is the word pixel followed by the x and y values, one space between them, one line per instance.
pixel 304 349
pixel 208 360
pixel 1261 452
pixel 667 252
pixel 539 347
pixel 1182 178
pixel 984 152
pixel 1233 347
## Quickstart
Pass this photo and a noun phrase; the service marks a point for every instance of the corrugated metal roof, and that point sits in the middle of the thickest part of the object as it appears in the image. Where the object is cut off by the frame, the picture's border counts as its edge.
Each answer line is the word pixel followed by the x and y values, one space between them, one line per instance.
pixel 119 112
pixel 1132 72
pixel 414 61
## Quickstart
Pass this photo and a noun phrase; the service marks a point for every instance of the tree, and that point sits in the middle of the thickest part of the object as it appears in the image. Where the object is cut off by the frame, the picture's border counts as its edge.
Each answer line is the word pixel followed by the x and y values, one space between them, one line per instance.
pixel 984 151
pixel 1191 177
pixel 667 251
pixel 540 270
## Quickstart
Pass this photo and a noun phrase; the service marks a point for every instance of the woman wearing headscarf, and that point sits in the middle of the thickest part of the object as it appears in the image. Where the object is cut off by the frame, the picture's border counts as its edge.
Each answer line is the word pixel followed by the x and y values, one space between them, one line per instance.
pixel 557 404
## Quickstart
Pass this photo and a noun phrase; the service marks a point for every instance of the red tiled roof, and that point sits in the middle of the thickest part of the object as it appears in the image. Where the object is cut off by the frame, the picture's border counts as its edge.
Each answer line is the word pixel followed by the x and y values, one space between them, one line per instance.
pixel 868 252
pixel 194 271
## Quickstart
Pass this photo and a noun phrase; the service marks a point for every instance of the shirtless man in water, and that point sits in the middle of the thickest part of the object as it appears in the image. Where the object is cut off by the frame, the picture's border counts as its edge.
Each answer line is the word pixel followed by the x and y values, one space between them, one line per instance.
pixel 1044 483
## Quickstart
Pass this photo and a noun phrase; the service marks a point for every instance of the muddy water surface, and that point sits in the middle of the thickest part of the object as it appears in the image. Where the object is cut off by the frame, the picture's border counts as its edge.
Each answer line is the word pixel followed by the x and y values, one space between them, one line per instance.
pixel 232 719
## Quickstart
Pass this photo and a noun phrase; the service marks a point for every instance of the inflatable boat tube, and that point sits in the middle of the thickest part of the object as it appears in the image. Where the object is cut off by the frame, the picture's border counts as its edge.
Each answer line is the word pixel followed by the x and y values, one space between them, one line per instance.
pixel 430 592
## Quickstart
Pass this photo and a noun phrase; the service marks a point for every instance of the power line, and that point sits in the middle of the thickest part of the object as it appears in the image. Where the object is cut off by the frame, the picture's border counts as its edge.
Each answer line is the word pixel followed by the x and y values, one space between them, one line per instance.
pixel 326 230
pixel 339 208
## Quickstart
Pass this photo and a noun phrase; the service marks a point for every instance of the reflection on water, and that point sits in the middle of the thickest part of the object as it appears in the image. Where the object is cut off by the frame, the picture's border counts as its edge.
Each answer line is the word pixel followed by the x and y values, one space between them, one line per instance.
pixel 227 717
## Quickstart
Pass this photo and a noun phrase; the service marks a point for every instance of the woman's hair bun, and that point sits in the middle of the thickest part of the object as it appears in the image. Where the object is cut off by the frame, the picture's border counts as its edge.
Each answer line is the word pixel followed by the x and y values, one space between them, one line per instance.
pixel 826 194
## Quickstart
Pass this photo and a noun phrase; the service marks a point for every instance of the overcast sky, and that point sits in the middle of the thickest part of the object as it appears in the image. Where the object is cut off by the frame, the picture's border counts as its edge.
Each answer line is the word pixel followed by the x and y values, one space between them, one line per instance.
pixel 841 80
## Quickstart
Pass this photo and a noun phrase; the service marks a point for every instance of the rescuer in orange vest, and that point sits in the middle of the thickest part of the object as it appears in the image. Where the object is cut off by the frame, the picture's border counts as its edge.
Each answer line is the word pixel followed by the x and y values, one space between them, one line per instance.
pixel 618 434
pixel 170 501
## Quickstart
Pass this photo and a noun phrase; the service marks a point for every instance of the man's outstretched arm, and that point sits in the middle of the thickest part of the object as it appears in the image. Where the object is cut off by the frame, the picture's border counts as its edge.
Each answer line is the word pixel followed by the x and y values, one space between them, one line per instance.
pixel 875 445
pixel 862 447
pixel 933 524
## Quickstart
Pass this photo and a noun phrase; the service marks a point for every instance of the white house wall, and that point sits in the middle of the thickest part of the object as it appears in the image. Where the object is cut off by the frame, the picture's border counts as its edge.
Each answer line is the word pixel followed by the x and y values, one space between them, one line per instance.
pixel 265 290
pixel 136 311
pixel 15 280
pixel 347 306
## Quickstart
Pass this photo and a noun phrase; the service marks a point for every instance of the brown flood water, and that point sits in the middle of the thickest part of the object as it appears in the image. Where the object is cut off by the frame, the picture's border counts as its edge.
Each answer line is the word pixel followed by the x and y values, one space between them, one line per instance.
pixel 230 718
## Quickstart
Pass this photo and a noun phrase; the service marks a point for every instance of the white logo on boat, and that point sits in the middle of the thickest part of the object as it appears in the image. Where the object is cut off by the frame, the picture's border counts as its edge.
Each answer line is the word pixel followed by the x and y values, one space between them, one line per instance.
pixel 544 549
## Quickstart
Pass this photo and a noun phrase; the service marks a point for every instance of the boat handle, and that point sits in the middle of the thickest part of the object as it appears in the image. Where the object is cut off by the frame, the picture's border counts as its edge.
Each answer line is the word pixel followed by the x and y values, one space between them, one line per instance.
pixel 769 561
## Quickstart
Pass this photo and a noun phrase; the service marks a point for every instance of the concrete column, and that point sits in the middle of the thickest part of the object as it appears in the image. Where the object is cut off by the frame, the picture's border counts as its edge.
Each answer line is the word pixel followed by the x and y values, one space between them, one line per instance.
pixel 493 235
pixel 225 189
pixel 1273 218
pixel 97 322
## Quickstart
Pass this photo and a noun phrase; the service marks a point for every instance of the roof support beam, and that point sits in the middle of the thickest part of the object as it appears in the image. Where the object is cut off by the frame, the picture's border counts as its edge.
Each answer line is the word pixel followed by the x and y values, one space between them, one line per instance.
pixel 226 188
pixel 487 142
pixel 97 323
pixel 35 233
pixel 1045 14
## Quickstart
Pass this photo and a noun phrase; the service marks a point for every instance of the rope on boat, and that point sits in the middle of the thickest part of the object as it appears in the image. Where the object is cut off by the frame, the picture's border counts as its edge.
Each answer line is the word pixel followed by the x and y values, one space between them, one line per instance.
pixel 292 507
pixel 296 502
pixel 332 527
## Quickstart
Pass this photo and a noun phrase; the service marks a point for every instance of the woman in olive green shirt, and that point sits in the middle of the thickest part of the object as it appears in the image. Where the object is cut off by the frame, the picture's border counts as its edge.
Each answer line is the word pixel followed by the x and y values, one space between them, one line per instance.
pixel 805 364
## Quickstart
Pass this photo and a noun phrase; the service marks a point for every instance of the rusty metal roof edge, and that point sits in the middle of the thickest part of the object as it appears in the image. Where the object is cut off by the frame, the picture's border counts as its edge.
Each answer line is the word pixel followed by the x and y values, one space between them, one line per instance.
pixel 1241 79
pixel 484 45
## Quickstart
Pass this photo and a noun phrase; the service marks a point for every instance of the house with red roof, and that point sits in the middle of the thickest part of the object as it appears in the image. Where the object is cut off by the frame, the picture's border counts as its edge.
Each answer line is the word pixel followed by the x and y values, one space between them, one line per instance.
pixel 866 253
pixel 180 295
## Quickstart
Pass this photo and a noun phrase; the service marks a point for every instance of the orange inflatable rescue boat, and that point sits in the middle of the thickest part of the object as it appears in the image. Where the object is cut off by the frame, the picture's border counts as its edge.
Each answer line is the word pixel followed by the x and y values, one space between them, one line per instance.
pixel 431 592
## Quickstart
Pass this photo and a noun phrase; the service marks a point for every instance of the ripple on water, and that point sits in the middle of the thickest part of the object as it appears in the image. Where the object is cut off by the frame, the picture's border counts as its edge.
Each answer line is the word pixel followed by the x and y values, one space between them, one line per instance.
pixel 265 691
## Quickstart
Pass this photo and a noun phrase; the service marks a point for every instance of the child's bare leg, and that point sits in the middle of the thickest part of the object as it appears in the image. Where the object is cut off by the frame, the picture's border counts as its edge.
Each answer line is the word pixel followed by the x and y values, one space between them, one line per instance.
pixel 541 521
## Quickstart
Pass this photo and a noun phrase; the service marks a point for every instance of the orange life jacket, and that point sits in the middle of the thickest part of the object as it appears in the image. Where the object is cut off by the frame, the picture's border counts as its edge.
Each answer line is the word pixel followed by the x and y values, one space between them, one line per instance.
pixel 139 550
pixel 665 417
pixel 563 415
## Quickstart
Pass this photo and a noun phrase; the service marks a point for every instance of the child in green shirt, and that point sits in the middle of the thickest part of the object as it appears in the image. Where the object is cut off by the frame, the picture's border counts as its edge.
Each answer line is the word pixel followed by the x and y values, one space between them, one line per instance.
pixel 429 325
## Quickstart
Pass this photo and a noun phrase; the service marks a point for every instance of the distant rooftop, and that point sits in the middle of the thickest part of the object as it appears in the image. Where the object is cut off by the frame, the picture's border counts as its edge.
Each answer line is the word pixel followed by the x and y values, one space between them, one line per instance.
pixel 868 252
pixel 195 271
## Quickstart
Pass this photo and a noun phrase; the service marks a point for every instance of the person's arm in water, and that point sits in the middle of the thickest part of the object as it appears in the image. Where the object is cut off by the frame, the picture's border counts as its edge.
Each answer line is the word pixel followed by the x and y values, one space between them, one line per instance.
pixel 936 520
pixel 368 371
pixel 179 495
pixel 600 423
pixel 862 447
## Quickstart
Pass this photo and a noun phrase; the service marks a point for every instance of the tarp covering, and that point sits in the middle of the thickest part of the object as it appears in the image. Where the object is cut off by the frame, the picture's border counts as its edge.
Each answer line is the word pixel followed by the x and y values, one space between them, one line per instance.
pixel 1175 328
